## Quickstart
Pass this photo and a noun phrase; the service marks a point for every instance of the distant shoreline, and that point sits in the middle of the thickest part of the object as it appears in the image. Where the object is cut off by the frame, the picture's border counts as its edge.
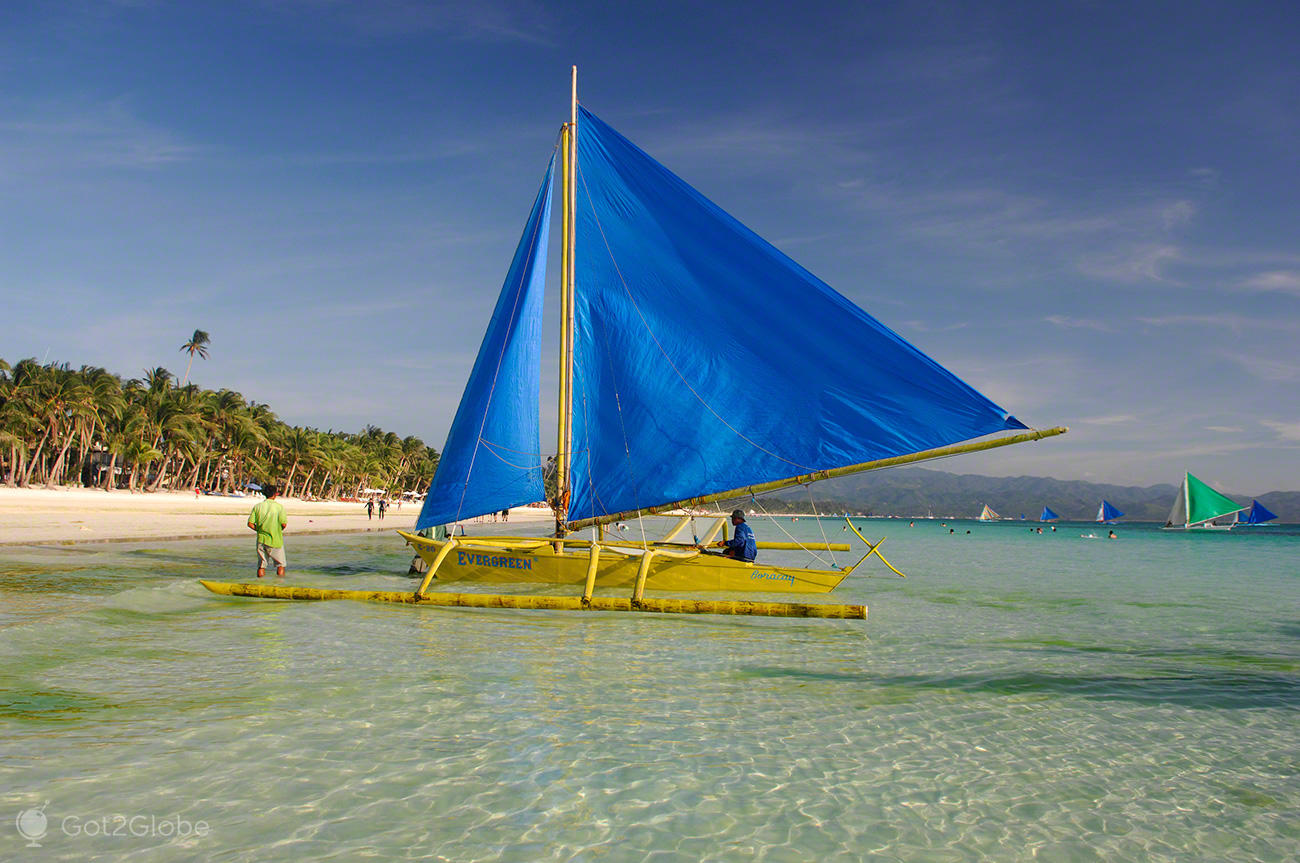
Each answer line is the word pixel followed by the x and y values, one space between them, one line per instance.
pixel 75 516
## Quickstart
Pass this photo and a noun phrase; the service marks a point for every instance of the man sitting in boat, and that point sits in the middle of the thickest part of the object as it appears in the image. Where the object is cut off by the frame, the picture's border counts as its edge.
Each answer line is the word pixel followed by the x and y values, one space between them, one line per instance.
pixel 741 546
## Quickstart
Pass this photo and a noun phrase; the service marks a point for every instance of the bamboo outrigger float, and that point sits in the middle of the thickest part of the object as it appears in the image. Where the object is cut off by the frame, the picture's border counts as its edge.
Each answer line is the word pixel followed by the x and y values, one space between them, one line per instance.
pixel 666 404
pixel 544 603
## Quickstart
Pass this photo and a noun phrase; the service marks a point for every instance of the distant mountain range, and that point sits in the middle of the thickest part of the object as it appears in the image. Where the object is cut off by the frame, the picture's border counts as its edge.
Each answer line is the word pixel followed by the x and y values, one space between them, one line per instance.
pixel 918 492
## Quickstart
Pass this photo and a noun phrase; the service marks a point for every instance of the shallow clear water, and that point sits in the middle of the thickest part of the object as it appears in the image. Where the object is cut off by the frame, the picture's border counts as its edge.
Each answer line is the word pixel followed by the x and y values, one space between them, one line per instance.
pixel 1016 697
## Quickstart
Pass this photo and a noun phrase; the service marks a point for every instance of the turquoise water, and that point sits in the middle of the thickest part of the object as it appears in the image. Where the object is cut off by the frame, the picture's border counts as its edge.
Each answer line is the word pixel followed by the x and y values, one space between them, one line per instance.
pixel 1017 697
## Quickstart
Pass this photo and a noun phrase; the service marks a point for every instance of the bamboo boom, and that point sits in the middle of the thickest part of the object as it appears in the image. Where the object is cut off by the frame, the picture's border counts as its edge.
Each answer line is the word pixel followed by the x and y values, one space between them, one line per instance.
pixel 555 603
pixel 804 479
pixel 515 543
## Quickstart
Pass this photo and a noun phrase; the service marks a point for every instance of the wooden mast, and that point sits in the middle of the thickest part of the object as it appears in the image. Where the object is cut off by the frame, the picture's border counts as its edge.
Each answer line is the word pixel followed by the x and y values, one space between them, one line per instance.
pixel 564 445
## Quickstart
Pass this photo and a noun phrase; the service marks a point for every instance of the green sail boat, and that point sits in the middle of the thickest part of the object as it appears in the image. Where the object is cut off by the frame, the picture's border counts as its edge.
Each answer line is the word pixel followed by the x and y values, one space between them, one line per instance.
pixel 1199 507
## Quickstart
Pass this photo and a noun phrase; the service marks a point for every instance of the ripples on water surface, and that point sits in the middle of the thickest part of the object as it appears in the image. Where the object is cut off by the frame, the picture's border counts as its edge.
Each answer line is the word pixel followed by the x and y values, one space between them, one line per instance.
pixel 1017 697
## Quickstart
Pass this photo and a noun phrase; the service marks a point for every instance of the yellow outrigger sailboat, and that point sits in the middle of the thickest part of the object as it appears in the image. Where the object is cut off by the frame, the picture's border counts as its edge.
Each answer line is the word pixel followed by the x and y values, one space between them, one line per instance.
pixel 697 364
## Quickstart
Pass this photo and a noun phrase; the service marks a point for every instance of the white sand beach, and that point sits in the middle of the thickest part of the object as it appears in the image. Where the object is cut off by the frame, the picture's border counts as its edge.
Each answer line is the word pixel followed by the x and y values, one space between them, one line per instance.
pixel 57 516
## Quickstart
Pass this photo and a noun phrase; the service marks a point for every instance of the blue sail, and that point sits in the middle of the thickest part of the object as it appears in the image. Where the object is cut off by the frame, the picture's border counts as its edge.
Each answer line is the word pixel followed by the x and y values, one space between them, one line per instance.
pixel 1258 514
pixel 492 459
pixel 1108 513
pixel 1048 515
pixel 706 360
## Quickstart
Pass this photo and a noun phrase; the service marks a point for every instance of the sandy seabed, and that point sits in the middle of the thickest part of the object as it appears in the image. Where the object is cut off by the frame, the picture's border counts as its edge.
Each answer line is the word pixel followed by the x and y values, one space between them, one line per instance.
pixel 70 515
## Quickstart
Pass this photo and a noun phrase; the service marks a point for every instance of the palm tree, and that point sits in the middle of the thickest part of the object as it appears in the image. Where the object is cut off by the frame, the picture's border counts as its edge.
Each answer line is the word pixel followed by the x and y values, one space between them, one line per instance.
pixel 300 445
pixel 53 389
pixel 198 344
pixel 15 421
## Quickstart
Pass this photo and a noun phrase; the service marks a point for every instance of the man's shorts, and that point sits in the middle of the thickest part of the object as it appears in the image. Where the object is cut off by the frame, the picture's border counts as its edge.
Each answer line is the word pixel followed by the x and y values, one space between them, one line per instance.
pixel 266 555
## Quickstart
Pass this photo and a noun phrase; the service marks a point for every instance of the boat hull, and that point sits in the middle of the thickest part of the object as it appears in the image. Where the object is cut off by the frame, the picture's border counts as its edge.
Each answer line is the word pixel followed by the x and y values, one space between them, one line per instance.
pixel 542 603
pixel 527 560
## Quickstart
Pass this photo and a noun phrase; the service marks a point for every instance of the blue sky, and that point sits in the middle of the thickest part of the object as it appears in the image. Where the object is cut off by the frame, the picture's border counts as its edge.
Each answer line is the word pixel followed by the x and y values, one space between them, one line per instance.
pixel 1089 211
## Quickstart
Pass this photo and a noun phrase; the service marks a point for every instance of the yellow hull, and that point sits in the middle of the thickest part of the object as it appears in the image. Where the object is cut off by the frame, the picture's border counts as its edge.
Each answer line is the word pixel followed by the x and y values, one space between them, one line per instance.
pixel 551 603
pixel 528 560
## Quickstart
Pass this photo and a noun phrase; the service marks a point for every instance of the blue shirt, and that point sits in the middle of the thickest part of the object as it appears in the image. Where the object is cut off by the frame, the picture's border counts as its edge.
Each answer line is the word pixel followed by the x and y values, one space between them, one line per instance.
pixel 744 541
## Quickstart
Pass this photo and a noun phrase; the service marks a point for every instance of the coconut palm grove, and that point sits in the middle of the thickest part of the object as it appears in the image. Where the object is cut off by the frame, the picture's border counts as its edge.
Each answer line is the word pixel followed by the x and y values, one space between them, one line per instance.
pixel 90 427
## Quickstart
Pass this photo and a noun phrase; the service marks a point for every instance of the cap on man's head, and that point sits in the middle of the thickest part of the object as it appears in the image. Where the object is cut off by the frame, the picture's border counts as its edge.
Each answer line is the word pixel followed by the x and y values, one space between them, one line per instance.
pixel 738 513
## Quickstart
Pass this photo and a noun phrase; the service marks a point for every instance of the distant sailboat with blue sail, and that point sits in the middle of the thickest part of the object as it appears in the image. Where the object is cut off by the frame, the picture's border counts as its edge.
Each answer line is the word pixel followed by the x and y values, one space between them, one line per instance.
pixel 1258 515
pixel 1108 513
pixel 663 406
pixel 1048 515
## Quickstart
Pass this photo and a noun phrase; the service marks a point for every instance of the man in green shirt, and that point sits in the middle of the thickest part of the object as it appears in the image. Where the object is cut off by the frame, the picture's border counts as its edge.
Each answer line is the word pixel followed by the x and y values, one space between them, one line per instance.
pixel 269 520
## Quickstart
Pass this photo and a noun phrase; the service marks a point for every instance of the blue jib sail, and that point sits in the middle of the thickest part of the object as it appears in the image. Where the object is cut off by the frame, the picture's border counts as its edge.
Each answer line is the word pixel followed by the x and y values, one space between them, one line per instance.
pixel 492 459
pixel 1048 515
pixel 1258 513
pixel 706 360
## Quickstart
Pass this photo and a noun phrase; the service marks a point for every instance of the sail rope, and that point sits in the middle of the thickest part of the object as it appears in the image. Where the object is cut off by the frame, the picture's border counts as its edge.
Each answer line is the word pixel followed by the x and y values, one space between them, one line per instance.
pixel 817 516
pixel 497 449
pixel 787 533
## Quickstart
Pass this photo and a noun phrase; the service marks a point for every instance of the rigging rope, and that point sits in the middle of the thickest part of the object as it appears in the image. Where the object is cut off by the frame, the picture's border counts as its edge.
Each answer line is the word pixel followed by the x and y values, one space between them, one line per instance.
pixel 789 535
pixel 821 526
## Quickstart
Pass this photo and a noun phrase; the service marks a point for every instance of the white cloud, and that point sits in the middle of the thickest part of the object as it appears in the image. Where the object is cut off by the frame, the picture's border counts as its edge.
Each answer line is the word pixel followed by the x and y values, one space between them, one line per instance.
pixel 57 139
pixel 1266 368
pixel 1177 214
pixel 1206 176
pixel 1079 323
pixel 1237 323
pixel 923 327
pixel 1109 420
pixel 1282 281
pixel 1141 263
pixel 1287 431
pixel 1226 429
pixel 482 21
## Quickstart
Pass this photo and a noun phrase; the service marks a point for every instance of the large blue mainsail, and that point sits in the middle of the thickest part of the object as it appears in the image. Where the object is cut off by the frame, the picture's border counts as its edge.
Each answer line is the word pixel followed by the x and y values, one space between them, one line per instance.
pixel 492 459
pixel 705 360
pixel 1048 515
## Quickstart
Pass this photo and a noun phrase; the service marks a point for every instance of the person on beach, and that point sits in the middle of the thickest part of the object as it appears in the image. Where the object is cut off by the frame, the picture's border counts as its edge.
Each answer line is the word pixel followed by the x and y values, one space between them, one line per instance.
pixel 383 508
pixel 742 545
pixel 269 520
pixel 370 509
